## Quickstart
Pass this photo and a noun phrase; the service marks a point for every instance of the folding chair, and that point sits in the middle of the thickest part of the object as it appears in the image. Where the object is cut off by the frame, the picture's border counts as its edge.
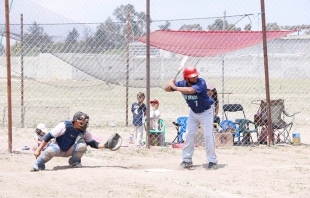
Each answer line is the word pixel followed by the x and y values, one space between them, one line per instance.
pixel 280 127
pixel 159 136
pixel 232 108
pixel 245 126
pixel 181 128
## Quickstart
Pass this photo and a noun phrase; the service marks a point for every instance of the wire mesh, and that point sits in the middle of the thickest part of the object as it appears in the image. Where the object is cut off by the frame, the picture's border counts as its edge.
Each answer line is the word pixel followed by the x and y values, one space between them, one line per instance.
pixel 63 62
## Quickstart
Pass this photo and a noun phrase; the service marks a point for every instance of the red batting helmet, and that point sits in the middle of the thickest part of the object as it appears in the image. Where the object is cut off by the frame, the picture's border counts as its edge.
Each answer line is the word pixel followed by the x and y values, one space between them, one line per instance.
pixel 189 72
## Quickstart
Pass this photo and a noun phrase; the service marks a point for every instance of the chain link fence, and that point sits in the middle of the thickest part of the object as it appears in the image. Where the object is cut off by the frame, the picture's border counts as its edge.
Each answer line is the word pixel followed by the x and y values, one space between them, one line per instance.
pixel 61 65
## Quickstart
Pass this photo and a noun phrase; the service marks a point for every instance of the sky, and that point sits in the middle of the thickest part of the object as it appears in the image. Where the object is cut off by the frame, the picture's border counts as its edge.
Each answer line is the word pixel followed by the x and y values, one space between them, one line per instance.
pixel 284 12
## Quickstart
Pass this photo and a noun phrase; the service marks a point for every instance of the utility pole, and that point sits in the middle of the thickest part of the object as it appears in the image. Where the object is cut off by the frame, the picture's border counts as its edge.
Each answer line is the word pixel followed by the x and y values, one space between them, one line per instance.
pixel 223 70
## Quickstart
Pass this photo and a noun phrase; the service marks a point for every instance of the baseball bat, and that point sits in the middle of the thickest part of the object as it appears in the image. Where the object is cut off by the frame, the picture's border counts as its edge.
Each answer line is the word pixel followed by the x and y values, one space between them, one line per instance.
pixel 184 60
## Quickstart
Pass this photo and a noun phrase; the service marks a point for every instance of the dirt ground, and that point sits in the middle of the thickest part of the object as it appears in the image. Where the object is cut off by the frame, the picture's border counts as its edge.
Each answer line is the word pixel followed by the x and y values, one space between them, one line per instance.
pixel 243 171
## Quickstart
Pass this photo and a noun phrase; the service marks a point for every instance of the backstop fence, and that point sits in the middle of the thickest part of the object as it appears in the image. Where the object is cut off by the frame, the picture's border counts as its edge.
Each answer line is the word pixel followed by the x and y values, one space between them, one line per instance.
pixel 61 65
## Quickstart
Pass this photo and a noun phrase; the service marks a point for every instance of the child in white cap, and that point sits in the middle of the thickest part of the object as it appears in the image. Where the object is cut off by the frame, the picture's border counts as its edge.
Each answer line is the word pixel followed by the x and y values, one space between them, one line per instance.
pixel 41 130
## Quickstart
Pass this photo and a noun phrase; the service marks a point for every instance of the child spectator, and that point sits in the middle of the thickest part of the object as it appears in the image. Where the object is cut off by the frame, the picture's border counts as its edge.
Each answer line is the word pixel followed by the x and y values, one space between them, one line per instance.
pixel 212 92
pixel 41 130
pixel 154 114
pixel 138 110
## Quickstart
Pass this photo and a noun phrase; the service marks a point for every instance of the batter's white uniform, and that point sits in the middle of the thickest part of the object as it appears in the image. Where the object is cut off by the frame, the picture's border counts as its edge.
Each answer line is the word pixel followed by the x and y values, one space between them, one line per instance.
pixel 202 112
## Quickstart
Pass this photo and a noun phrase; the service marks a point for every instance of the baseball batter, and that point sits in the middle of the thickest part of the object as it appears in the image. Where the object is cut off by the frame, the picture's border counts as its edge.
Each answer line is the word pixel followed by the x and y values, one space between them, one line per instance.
pixel 194 91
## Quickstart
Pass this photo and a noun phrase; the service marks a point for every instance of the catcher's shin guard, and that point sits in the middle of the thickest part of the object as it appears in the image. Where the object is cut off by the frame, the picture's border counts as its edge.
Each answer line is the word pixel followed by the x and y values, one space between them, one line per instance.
pixel 39 165
pixel 46 156
pixel 50 152
pixel 80 149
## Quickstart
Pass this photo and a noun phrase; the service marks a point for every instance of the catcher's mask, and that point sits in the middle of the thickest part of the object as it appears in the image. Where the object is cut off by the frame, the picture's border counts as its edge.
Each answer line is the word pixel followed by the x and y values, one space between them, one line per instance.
pixel 189 72
pixel 82 119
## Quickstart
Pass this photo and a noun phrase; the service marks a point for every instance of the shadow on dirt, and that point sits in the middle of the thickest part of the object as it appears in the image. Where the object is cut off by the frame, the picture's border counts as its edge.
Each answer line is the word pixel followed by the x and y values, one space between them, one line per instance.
pixel 56 168
pixel 218 166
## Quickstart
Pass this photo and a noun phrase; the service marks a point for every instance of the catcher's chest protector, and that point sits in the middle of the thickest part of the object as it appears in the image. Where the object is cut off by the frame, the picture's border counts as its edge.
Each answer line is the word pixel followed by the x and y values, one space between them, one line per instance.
pixel 68 139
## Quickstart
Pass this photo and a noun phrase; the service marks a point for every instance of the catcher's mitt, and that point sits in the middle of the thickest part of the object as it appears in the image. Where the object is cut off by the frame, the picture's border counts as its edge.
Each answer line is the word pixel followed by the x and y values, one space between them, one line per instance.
pixel 114 142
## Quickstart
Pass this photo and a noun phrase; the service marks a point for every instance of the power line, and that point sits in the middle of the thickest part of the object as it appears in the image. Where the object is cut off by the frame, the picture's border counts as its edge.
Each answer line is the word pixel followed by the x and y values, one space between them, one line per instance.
pixel 201 18
pixel 184 19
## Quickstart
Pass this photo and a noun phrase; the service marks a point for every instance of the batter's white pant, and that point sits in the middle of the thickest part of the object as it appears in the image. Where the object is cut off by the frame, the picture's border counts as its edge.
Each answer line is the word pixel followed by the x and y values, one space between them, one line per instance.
pixel 194 120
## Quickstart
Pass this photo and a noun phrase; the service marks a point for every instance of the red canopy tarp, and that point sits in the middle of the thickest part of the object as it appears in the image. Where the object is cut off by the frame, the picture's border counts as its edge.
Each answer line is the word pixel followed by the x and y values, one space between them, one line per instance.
pixel 208 43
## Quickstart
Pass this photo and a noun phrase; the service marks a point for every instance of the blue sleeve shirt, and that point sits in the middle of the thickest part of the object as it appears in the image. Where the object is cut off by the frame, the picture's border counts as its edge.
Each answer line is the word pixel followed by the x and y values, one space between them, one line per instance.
pixel 199 101
pixel 137 112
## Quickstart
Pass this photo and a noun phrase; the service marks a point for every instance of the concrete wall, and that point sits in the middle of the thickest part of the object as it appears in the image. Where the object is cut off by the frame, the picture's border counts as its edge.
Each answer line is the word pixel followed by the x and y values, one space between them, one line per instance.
pixel 286 58
pixel 42 66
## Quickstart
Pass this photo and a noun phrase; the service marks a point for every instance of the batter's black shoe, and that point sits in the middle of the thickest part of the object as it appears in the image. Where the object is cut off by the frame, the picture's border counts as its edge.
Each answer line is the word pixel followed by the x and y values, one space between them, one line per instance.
pixel 186 164
pixel 212 165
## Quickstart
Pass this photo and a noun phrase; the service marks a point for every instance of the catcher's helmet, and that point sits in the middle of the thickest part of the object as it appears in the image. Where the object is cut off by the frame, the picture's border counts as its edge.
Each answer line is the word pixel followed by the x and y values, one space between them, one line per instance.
pixel 80 116
pixel 189 72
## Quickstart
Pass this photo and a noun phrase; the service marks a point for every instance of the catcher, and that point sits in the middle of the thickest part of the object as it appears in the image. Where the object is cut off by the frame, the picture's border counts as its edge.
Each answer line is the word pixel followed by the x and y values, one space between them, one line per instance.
pixel 72 139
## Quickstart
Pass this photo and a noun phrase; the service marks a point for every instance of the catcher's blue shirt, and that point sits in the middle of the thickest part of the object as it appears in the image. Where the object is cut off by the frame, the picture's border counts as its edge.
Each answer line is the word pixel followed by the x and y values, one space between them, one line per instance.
pixel 199 101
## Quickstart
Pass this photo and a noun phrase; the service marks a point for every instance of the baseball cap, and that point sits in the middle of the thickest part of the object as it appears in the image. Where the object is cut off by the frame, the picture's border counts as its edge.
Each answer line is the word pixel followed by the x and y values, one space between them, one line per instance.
pixel 154 101
pixel 42 127
pixel 80 116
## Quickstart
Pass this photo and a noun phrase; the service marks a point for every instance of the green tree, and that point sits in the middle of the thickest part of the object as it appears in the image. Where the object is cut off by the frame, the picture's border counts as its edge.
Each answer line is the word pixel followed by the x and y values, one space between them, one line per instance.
pixel 15 49
pixel 2 50
pixel 98 43
pixel 165 26
pixel 137 19
pixel 112 32
pixel 71 41
pixel 101 40
pixel 248 27
pixel 191 27
pixel 55 47
pixel 140 27
pixel 220 25
pixel 111 35
pixel 108 35
pixel 272 26
pixel 36 39
pixel 72 37
pixel 87 40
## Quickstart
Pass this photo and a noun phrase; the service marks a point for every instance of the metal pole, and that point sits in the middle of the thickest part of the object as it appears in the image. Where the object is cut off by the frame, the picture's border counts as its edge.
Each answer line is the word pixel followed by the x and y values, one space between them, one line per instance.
pixel 266 70
pixel 22 71
pixel 9 85
pixel 148 72
pixel 127 69
pixel 223 70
